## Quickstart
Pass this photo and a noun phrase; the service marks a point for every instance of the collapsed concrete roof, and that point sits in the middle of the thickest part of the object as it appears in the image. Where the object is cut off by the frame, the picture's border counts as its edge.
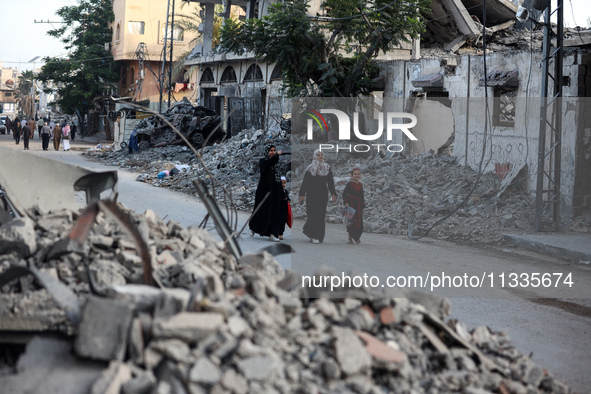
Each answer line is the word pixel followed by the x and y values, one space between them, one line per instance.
pixel 453 20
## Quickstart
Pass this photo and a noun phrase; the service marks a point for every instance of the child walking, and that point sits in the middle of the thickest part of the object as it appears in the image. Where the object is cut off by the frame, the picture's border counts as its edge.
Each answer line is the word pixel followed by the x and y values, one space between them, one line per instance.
pixel 353 197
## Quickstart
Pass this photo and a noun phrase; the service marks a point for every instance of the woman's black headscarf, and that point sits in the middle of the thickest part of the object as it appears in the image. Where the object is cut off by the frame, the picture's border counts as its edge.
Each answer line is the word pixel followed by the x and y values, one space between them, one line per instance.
pixel 268 148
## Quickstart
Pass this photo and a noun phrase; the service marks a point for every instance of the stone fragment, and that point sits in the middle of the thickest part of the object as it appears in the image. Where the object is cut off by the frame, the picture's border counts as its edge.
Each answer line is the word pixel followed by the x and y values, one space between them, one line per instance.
pixel 188 326
pixel 142 384
pixel 173 349
pixel 104 325
pixel 350 352
pixel 237 325
pixel 330 369
pixel 112 379
pixel 136 342
pixel 205 372
pixel 171 302
pixel 142 297
pixel 257 367
pixel 18 235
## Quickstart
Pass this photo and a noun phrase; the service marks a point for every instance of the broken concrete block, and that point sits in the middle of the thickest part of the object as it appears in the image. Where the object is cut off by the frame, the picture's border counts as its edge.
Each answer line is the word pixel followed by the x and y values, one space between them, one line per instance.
pixel 112 379
pixel 18 236
pixel 167 258
pixel 104 324
pixel 205 372
pixel 481 336
pixel 350 352
pixel 49 366
pixel 136 342
pixel 171 302
pixel 330 369
pixel 234 382
pixel 142 384
pixel 257 367
pixel 129 260
pixel 188 326
pixel 107 273
pixel 174 349
pixel 360 319
pixel 142 297
pixel 237 325
pixel 101 241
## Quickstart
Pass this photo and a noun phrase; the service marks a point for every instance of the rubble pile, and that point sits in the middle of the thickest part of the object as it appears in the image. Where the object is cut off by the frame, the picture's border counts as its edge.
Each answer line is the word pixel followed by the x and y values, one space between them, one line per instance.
pixel 401 191
pixel 233 163
pixel 197 124
pixel 405 193
pixel 221 325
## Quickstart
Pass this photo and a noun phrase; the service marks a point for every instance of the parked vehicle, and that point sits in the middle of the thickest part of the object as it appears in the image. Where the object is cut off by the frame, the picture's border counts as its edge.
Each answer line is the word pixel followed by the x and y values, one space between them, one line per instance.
pixel 3 128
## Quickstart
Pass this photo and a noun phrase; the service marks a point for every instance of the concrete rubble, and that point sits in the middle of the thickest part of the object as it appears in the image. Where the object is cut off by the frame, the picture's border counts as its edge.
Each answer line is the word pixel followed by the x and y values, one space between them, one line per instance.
pixel 402 192
pixel 221 325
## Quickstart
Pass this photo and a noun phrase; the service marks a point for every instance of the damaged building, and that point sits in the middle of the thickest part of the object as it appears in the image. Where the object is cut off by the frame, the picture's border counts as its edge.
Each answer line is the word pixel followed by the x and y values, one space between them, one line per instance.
pixel 443 82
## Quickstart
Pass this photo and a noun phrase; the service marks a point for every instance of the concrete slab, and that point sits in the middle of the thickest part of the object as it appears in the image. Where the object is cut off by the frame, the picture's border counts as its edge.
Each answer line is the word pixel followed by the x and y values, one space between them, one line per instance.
pixel 571 246
pixel 49 367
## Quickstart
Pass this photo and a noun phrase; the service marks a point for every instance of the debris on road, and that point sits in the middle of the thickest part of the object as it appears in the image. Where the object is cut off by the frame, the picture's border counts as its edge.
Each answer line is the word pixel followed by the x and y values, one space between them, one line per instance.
pixel 401 191
pixel 218 324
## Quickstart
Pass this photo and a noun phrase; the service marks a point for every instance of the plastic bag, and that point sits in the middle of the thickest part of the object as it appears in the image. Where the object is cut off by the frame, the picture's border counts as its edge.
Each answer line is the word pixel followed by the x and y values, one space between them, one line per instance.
pixel 289 215
pixel 348 213
pixel 163 174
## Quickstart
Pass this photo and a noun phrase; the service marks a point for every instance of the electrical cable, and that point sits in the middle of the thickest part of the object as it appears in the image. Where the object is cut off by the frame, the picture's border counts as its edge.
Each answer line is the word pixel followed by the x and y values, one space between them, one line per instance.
pixel 484 138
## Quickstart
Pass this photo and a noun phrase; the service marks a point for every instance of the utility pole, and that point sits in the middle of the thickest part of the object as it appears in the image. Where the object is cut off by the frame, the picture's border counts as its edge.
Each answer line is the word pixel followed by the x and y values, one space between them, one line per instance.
pixel 550 133
pixel 167 52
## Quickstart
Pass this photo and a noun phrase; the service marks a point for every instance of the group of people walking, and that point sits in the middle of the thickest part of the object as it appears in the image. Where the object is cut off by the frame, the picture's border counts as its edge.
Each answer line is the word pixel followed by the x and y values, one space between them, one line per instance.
pixel 271 199
pixel 52 131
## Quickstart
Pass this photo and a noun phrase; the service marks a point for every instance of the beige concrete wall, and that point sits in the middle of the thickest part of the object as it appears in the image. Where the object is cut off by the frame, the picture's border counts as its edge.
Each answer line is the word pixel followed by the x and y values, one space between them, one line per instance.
pixel 153 14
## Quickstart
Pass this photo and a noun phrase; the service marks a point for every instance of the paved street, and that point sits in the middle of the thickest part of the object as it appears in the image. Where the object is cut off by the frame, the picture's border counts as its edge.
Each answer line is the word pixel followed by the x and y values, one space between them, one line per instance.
pixel 557 331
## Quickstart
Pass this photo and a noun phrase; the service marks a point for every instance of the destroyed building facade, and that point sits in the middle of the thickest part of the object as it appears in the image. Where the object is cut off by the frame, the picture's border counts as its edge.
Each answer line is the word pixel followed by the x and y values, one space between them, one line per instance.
pixel 449 68
pixel 139 32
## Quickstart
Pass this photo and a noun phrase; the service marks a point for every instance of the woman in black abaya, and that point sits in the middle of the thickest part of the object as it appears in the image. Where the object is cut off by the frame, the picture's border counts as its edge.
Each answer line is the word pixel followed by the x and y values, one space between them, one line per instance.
pixel 266 220
pixel 318 181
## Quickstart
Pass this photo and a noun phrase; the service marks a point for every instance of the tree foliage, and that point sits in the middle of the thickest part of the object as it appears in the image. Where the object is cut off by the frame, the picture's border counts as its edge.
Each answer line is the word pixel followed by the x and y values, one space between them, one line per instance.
pixel 327 56
pixel 89 71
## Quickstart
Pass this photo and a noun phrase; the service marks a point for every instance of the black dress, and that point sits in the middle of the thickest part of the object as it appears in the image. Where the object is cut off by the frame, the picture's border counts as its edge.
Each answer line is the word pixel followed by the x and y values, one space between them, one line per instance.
pixel 266 221
pixel 316 188
pixel 353 195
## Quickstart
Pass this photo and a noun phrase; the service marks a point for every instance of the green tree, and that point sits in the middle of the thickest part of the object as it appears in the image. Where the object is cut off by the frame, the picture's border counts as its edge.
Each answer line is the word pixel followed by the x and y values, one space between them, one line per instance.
pixel 327 56
pixel 90 70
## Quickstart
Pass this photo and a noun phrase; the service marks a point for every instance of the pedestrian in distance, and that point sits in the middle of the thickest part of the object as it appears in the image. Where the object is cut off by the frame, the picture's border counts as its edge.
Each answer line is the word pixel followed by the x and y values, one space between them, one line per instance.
pixel 27 135
pixel 8 125
pixel 283 220
pixel 17 130
pixel 267 214
pixel 74 126
pixel 45 134
pixel 33 126
pixel 353 197
pixel 40 124
pixel 66 137
pixel 318 181
pixel 57 136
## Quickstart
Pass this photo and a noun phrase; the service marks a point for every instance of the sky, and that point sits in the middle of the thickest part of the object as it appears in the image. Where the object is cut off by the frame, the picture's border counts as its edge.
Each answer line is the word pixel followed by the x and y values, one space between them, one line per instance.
pixel 23 39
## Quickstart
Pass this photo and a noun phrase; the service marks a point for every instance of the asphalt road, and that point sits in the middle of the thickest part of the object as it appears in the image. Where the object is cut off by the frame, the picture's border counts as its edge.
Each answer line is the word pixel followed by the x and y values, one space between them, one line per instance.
pixel 552 324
